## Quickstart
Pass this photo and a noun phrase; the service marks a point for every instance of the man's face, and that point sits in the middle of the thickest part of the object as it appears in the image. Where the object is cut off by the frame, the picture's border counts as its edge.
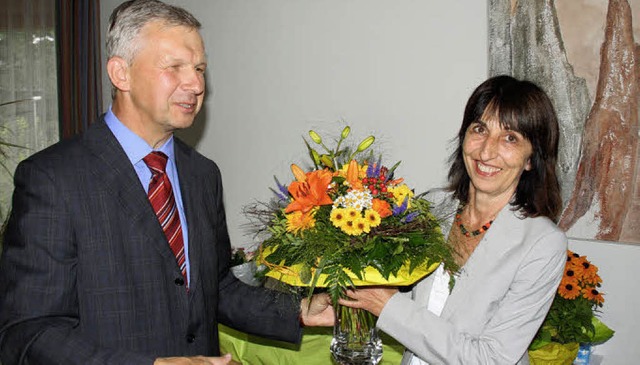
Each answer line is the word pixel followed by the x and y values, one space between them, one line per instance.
pixel 167 77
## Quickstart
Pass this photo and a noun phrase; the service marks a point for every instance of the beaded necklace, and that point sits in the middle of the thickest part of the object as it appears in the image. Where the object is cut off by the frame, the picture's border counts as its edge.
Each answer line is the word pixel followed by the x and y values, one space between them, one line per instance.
pixel 464 230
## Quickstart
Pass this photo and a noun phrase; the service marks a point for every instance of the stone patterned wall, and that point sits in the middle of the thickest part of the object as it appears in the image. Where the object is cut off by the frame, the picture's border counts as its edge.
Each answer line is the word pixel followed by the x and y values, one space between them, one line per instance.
pixel 598 162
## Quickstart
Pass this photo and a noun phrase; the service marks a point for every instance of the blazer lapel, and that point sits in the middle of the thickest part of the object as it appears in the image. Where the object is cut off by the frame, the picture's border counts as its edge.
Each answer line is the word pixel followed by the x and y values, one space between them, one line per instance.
pixel 115 172
pixel 505 230
pixel 189 188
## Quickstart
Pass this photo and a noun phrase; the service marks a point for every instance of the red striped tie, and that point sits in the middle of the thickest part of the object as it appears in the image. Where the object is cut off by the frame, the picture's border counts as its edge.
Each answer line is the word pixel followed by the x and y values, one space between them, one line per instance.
pixel 161 198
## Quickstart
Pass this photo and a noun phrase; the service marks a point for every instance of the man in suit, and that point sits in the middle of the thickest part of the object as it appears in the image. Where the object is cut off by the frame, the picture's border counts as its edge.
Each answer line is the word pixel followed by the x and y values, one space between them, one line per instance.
pixel 92 271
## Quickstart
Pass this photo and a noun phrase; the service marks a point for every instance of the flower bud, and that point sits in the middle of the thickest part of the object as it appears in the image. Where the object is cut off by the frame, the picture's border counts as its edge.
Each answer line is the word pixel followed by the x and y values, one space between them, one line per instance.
pixel 315 137
pixel 326 160
pixel 315 156
pixel 298 173
pixel 365 143
pixel 345 132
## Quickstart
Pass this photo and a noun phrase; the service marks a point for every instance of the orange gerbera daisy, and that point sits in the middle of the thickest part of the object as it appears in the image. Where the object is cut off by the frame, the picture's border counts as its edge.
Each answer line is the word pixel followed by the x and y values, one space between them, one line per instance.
pixel 569 291
pixel 382 207
pixel 592 294
pixel 572 256
pixel 570 273
pixel 589 271
pixel 570 280
pixel 310 190
pixel 592 280
pixel 298 221
pixel 575 268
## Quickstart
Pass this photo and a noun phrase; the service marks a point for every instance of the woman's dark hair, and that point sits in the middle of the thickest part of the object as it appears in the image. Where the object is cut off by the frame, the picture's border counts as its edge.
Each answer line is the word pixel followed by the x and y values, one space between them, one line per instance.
pixel 523 107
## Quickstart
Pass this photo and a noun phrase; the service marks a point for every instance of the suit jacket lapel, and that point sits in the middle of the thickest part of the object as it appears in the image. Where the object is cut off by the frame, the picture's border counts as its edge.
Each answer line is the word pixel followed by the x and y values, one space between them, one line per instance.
pixel 115 172
pixel 474 273
pixel 189 188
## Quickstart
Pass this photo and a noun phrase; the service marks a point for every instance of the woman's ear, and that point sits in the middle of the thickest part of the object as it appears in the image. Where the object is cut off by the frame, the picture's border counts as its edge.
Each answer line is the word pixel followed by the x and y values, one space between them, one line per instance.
pixel 118 71
pixel 527 166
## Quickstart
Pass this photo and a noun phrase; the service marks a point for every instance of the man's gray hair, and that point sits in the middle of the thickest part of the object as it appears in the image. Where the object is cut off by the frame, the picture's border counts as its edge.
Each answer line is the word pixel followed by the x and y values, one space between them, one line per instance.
pixel 130 17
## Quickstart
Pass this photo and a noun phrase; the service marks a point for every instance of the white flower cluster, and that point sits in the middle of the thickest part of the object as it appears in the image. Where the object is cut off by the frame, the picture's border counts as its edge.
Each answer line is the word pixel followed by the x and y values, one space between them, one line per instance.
pixel 356 199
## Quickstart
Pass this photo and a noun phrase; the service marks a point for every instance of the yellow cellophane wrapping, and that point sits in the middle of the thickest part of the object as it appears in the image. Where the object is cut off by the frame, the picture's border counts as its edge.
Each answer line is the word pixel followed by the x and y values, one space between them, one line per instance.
pixel 291 274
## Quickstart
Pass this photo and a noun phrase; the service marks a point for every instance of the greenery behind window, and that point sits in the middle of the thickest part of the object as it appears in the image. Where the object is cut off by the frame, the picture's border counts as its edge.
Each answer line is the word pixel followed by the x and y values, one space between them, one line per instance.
pixel 28 86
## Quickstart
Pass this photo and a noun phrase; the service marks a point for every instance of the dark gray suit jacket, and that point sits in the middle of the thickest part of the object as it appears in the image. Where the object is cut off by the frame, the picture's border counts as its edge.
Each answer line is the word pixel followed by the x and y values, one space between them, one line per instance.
pixel 87 276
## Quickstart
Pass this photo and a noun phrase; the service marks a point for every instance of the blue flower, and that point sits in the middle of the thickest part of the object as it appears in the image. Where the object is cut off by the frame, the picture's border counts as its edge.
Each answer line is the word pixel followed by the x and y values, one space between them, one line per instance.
pixel 282 193
pixel 397 210
pixel 410 217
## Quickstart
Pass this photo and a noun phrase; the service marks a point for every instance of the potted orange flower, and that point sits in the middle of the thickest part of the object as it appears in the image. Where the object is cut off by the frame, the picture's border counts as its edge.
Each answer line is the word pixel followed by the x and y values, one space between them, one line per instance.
pixel 572 322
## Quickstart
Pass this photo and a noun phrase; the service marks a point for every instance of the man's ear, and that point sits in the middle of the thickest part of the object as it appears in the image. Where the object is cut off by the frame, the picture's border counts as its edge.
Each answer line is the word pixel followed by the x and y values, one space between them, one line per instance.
pixel 118 70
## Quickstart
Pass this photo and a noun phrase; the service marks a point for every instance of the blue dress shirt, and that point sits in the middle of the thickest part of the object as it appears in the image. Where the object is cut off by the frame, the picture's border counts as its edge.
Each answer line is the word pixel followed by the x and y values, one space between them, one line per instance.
pixel 136 149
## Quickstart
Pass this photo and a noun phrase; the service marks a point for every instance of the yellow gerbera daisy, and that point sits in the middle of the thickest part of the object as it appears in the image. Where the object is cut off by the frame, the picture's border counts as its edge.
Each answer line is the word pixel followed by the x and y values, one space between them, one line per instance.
pixel 362 225
pixel 351 228
pixel 352 213
pixel 338 216
pixel 372 217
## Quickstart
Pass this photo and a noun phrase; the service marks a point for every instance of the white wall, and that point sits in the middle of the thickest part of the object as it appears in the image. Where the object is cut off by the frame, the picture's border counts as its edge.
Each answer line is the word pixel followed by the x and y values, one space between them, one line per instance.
pixel 401 70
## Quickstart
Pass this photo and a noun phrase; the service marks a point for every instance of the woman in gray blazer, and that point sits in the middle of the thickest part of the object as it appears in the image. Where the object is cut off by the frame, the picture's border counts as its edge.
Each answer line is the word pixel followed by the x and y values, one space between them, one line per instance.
pixel 498 212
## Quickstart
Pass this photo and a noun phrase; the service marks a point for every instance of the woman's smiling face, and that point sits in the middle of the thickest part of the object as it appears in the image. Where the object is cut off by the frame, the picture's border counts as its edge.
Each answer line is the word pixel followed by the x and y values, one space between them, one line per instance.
pixel 495 157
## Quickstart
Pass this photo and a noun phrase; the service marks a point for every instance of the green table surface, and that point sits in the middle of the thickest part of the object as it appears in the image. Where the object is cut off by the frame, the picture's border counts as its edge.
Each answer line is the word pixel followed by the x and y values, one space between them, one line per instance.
pixel 314 349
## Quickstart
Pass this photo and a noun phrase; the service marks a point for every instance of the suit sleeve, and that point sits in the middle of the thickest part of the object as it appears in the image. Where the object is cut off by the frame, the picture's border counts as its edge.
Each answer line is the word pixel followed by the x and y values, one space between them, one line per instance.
pixel 259 311
pixel 506 334
pixel 39 305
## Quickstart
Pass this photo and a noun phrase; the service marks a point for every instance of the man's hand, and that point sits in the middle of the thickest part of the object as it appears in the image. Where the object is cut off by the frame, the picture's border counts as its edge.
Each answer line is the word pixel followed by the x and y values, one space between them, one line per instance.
pixel 372 299
pixel 317 311
pixel 196 360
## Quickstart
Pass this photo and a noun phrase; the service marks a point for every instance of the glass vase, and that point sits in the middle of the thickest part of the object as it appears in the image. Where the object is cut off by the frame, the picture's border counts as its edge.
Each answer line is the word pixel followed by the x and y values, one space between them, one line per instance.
pixel 355 337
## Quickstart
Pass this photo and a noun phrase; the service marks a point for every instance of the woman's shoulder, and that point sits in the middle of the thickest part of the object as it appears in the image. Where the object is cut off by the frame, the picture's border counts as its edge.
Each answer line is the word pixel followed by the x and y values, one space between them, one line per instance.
pixel 543 233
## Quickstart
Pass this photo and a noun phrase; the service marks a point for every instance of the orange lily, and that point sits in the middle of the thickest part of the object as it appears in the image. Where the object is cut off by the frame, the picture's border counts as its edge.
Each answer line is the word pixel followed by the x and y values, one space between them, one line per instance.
pixel 353 177
pixel 310 190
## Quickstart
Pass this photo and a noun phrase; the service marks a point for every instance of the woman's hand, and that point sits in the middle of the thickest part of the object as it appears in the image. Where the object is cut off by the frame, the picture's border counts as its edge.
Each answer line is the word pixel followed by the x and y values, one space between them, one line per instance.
pixel 372 299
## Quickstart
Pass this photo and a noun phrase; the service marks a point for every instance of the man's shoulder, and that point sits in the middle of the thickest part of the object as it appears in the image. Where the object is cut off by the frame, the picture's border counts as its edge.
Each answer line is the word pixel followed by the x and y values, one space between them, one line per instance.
pixel 191 153
pixel 73 147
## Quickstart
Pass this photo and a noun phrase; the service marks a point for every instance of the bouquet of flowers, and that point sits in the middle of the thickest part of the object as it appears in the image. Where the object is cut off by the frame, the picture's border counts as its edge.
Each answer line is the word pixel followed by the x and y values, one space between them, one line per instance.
pixel 348 221
pixel 572 318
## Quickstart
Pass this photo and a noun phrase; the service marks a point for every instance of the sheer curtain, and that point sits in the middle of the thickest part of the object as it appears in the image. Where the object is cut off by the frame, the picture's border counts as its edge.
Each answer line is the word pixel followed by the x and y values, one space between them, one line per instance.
pixel 28 86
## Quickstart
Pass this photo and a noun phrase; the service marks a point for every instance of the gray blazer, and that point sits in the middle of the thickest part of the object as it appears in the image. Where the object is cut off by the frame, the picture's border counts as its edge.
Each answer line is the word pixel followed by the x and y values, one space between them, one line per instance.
pixel 87 275
pixel 499 300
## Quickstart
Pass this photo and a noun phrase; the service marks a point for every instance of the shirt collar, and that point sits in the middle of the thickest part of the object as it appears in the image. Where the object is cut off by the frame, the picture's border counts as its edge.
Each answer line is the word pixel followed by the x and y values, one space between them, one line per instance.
pixel 134 146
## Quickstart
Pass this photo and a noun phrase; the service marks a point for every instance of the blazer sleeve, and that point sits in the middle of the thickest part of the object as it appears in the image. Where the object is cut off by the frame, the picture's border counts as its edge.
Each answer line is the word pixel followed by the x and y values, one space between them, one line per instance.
pixel 260 311
pixel 506 335
pixel 39 306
